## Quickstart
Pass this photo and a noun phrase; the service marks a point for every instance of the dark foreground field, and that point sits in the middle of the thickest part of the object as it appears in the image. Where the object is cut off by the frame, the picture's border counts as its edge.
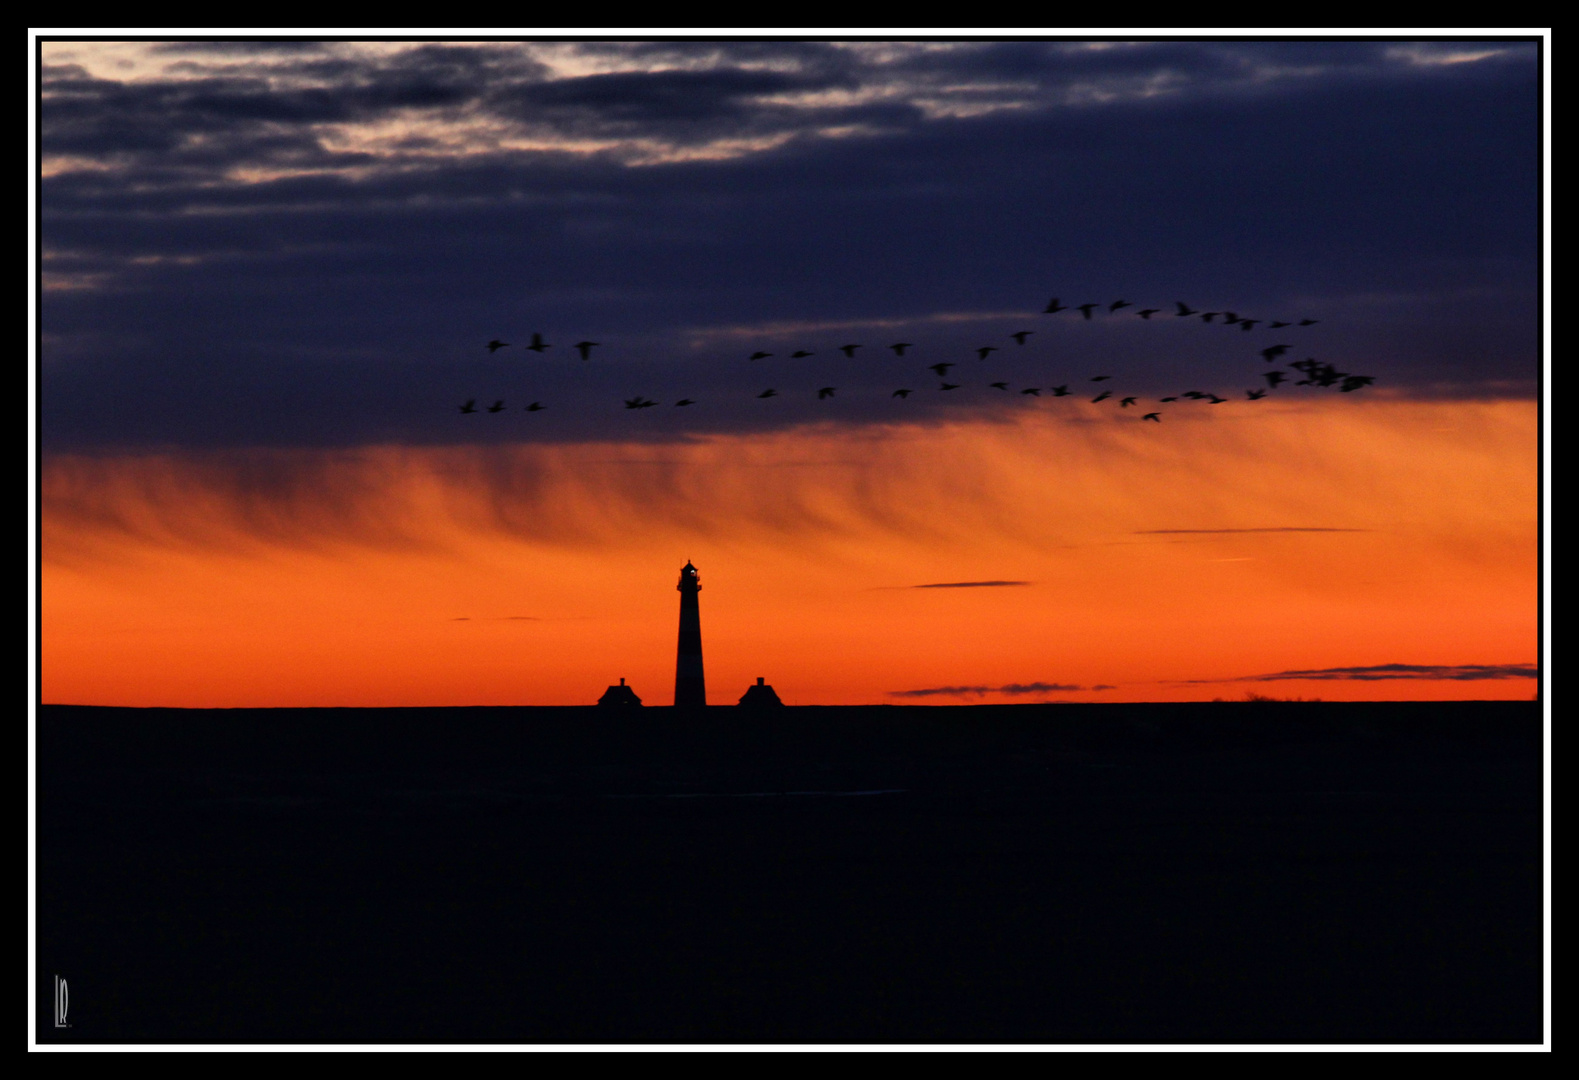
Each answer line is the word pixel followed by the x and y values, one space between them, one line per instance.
pixel 1219 873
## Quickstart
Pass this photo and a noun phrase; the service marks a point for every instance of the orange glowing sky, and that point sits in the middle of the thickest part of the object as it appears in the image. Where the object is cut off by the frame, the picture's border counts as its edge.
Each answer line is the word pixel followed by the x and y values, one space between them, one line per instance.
pixel 537 575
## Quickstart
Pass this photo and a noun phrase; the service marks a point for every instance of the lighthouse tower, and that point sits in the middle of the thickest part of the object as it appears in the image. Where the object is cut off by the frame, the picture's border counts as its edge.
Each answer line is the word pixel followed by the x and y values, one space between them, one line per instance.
pixel 689 687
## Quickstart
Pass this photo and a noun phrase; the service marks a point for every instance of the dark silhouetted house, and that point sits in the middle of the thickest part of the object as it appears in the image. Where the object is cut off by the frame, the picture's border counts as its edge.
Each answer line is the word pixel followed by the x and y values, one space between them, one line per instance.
pixel 689 687
pixel 760 696
pixel 617 696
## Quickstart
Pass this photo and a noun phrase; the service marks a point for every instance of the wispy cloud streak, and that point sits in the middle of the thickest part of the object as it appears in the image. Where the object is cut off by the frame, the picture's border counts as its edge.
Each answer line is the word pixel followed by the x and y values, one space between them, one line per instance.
pixel 969 584
pixel 1011 689
pixel 1377 672
pixel 1276 529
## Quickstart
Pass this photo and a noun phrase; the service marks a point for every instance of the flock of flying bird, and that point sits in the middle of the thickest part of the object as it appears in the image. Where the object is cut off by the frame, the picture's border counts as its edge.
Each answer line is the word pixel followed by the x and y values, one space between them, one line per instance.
pixel 1315 372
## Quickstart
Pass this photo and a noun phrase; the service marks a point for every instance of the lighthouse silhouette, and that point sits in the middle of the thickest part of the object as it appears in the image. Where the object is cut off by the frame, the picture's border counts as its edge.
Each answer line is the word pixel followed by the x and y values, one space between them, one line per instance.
pixel 689 686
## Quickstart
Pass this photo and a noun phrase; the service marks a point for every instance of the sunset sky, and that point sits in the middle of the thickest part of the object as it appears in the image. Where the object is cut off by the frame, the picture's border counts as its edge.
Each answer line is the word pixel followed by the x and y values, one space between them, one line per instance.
pixel 271 271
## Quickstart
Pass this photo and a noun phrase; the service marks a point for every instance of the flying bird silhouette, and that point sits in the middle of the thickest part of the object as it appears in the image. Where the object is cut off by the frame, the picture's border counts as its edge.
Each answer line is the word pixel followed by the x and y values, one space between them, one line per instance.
pixel 981 353
pixel 1276 325
pixel 585 348
pixel 1103 396
pixel 1115 305
pixel 1215 400
pixel 1273 352
pixel 849 350
pixel 1099 378
pixel 1127 402
pixel 1168 399
pixel 639 402
pixel 1147 313
pixel 536 406
pixel 901 393
pixel 940 368
pixel 1061 391
pixel 825 392
pixel 1354 382
pixel 497 406
pixel 495 345
pixel 1036 390
pixel 1019 336
pixel 1085 309
pixel 899 347
pixel 1255 395
pixel 1000 385
pixel 1153 416
pixel 1229 318
pixel 1054 307
pixel 1245 324
pixel 1184 309
pixel 801 354
pixel 759 355
pixel 538 344
pixel 1273 378
pixel 1309 322
pixel 949 386
pixel 768 393
pixel 470 406
pixel 1208 316
pixel 684 401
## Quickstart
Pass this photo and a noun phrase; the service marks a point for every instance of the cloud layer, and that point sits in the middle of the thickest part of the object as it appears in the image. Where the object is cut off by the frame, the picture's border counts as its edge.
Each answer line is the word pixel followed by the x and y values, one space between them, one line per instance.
pixel 287 244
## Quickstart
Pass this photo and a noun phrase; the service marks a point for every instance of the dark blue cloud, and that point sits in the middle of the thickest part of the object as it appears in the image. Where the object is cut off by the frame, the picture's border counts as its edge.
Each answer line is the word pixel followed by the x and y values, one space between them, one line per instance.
pixel 345 295
pixel 226 114
pixel 688 106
